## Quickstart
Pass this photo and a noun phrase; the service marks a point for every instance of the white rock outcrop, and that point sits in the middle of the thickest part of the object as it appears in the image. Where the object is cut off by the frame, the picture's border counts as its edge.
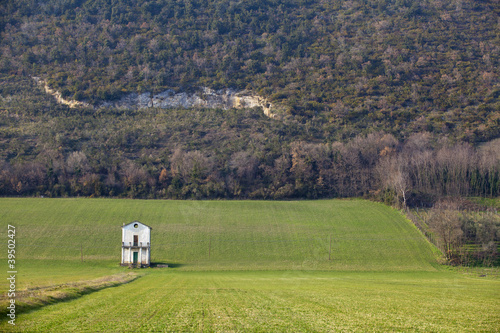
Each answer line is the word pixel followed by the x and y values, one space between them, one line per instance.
pixel 58 96
pixel 205 98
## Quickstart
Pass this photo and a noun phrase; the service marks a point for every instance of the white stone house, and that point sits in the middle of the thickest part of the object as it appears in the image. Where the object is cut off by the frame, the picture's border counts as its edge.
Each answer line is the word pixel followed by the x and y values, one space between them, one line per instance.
pixel 136 244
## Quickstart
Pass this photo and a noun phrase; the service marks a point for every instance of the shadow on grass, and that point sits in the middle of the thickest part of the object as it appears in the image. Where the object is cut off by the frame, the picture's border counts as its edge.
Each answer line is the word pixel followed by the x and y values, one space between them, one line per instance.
pixel 36 298
pixel 166 265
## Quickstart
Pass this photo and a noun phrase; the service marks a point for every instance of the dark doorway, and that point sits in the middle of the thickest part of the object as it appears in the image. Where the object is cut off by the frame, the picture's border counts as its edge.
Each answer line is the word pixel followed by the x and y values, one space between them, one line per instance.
pixel 136 257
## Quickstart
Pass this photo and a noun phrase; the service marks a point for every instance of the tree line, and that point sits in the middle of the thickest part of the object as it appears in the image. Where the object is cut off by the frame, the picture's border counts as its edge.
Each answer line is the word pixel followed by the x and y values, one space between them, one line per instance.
pixel 416 172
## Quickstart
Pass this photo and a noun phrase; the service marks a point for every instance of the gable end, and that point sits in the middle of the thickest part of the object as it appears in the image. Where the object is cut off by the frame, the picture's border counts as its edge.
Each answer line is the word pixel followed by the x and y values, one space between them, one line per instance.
pixel 133 222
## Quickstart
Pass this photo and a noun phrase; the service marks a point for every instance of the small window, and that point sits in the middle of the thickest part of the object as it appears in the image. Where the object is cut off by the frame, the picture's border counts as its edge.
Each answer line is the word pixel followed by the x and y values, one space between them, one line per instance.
pixel 136 225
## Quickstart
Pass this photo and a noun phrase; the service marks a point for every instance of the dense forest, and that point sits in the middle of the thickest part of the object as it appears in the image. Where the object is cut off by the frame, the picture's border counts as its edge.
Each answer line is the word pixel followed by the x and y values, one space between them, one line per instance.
pixel 52 150
pixel 399 66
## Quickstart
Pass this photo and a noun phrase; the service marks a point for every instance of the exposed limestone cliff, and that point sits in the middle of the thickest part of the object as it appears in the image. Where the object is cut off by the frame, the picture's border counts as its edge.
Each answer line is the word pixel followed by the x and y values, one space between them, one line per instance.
pixel 205 97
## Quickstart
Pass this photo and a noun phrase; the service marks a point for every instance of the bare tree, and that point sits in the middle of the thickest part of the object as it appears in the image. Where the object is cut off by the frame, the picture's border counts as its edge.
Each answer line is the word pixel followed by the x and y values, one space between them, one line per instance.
pixel 77 163
pixel 399 181
pixel 392 172
pixel 192 166
pixel 245 165
pixel 445 223
pixel 136 178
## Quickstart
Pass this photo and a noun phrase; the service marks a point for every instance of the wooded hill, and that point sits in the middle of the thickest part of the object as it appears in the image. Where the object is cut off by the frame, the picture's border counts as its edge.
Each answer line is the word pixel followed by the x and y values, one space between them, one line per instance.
pixel 401 66
pixel 52 150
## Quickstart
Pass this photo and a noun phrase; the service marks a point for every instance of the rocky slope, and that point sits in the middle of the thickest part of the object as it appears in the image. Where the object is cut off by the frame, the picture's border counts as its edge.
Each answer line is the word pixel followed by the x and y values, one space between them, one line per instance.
pixel 205 98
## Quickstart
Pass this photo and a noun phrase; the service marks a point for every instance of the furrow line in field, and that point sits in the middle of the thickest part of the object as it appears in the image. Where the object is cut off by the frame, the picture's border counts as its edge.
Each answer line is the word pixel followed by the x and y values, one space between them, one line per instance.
pixel 36 298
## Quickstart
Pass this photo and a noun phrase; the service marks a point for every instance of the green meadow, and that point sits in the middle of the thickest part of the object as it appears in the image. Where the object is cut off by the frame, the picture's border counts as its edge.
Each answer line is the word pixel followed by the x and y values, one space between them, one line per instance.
pixel 322 266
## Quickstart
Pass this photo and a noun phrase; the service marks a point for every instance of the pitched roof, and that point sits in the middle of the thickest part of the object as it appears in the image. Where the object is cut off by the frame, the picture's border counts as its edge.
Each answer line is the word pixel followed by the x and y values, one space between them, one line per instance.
pixel 123 226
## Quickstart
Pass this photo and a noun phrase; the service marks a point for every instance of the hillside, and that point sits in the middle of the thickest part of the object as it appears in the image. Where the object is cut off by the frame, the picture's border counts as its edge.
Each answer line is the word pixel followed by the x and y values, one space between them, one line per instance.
pixel 293 99
pixel 401 66
pixel 226 235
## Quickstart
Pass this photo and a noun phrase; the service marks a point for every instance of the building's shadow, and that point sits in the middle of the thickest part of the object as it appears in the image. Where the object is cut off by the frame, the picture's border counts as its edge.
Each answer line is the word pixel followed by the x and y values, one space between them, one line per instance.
pixel 165 265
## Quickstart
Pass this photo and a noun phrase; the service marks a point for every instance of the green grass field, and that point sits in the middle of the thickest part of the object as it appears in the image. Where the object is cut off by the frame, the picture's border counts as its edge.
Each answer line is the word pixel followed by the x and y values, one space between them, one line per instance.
pixel 214 235
pixel 279 301
pixel 330 265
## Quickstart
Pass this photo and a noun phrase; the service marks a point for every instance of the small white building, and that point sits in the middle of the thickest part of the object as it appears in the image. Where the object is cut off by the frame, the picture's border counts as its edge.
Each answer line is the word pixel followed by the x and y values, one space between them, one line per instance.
pixel 136 244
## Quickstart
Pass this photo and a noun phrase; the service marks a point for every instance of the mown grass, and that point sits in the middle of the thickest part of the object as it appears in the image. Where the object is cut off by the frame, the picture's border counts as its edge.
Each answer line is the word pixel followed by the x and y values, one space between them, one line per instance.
pixel 33 273
pixel 242 266
pixel 27 299
pixel 213 235
pixel 283 301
